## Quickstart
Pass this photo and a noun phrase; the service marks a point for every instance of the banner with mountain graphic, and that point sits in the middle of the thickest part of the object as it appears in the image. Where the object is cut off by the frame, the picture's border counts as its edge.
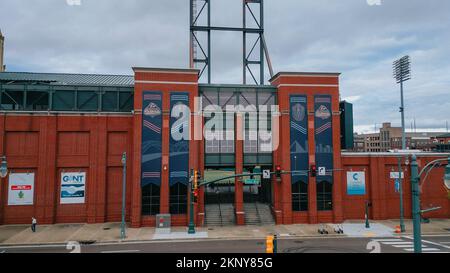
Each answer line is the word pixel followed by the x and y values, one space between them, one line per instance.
pixel 179 138
pixel 299 138
pixel 323 117
pixel 151 138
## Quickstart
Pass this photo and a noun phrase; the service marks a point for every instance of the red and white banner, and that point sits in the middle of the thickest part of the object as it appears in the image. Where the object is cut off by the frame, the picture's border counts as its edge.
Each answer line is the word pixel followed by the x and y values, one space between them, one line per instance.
pixel 21 189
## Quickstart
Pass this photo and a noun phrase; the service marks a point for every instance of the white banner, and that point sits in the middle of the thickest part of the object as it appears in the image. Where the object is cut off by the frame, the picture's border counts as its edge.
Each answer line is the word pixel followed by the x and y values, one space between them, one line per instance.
pixel 395 175
pixel 21 189
pixel 356 183
pixel 73 188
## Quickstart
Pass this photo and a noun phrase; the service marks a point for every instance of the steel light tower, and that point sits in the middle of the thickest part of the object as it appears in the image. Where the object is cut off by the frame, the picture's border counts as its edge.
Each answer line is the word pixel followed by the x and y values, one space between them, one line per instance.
pixel 201 28
pixel 402 73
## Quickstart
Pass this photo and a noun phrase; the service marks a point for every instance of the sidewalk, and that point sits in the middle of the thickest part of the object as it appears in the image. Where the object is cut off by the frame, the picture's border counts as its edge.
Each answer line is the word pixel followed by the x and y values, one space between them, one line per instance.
pixel 110 232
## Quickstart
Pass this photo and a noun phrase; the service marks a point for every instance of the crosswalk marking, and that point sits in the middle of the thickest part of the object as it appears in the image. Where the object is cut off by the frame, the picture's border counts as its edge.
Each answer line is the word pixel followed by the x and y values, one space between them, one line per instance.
pixel 406 243
pixel 396 243
pixel 423 249
pixel 388 240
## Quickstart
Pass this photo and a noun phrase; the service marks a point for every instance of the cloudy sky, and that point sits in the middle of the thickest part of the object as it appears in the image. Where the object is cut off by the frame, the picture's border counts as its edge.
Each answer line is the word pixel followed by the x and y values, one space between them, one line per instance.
pixel 347 36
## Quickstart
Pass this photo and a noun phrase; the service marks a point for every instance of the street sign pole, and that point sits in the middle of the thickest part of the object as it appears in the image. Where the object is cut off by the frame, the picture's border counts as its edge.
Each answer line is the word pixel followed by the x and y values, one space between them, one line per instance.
pixel 191 229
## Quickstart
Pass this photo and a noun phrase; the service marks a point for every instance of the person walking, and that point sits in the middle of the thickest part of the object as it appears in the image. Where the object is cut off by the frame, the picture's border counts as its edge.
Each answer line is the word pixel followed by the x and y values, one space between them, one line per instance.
pixel 33 224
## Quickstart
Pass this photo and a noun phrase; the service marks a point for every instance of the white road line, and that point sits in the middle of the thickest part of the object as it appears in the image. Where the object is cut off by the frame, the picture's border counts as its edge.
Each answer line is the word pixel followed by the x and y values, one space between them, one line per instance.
pixel 423 249
pixel 397 243
pixel 121 251
pixel 388 240
pixel 429 242
pixel 445 243
pixel 35 246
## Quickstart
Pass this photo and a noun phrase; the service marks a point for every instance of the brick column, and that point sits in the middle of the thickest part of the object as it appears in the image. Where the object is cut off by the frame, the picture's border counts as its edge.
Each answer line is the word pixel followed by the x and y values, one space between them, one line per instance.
pixel 285 158
pixel 338 214
pixel 312 183
pixel 136 198
pixel 165 188
pixel 239 194
pixel 50 166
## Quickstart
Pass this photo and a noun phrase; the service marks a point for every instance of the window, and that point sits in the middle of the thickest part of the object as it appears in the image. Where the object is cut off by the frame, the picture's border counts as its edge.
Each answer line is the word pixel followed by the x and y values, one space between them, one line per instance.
pixel 324 196
pixel 150 199
pixel 300 196
pixel 178 199
pixel 37 101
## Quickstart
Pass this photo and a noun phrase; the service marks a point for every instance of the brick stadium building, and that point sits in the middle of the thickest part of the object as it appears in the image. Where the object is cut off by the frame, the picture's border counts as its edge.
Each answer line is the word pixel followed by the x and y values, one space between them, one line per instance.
pixel 55 124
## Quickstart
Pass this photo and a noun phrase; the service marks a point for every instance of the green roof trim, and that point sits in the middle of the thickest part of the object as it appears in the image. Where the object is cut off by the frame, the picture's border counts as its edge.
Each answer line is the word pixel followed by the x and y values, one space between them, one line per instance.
pixel 68 79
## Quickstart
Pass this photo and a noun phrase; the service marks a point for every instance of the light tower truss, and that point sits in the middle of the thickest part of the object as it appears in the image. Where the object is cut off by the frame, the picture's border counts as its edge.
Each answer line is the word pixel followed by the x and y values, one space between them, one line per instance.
pixel 254 45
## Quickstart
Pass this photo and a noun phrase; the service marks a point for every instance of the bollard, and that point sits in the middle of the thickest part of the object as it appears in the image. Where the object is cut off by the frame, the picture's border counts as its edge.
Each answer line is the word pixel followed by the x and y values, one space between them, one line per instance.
pixel 275 244
pixel 269 244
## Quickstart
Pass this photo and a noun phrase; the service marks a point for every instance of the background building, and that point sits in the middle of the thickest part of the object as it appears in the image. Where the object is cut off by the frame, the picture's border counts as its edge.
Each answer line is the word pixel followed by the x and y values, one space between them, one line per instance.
pixel 390 138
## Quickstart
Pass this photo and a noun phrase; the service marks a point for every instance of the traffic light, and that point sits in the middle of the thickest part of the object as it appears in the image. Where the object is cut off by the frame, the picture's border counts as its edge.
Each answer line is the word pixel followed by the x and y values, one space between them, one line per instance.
pixel 195 196
pixel 313 171
pixel 278 171
pixel 196 179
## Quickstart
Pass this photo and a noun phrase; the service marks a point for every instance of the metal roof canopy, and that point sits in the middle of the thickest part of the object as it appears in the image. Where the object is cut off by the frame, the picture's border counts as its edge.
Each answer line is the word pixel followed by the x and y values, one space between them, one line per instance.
pixel 68 79
pixel 32 92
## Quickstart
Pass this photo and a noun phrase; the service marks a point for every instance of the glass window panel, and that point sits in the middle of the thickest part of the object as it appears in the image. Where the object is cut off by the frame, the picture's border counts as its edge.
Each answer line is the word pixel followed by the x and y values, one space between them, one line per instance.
pixel 37 101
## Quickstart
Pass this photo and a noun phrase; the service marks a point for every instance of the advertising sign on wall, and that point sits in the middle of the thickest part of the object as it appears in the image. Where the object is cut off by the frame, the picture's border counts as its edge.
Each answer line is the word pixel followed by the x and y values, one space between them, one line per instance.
pixel 73 188
pixel 21 189
pixel 356 183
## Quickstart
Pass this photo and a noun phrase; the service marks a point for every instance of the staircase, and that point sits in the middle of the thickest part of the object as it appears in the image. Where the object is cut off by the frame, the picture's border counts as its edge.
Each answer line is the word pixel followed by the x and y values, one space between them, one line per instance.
pixel 258 214
pixel 219 215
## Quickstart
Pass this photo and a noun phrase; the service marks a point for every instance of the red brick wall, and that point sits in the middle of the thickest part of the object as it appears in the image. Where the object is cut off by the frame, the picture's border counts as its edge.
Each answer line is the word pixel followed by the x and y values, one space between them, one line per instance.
pixel 165 81
pixel 309 85
pixel 48 145
pixel 380 189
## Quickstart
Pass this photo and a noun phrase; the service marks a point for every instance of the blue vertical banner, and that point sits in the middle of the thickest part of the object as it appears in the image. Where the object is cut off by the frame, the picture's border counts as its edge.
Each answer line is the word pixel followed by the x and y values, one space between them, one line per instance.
pixel 151 138
pixel 323 117
pixel 179 138
pixel 299 138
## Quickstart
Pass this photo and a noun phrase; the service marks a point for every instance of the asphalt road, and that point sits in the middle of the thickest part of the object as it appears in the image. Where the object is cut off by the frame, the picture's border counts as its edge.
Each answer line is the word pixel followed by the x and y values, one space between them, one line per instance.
pixel 431 244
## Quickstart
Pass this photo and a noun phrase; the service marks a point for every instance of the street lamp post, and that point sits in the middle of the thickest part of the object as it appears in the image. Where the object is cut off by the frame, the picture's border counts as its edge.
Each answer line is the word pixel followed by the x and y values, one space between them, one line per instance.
pixel 416 211
pixel 124 188
pixel 3 168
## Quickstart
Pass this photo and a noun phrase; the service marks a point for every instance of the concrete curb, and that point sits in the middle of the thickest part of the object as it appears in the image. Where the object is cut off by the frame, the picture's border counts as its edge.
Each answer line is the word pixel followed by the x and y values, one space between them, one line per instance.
pixel 108 242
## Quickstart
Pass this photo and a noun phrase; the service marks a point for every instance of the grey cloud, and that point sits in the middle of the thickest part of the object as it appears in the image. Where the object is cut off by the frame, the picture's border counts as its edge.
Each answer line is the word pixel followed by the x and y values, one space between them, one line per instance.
pixel 361 41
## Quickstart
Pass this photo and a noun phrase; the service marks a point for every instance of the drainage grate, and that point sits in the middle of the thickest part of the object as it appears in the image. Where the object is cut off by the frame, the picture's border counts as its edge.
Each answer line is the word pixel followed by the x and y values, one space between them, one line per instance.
pixel 106 228
pixel 88 242
pixel 447 229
